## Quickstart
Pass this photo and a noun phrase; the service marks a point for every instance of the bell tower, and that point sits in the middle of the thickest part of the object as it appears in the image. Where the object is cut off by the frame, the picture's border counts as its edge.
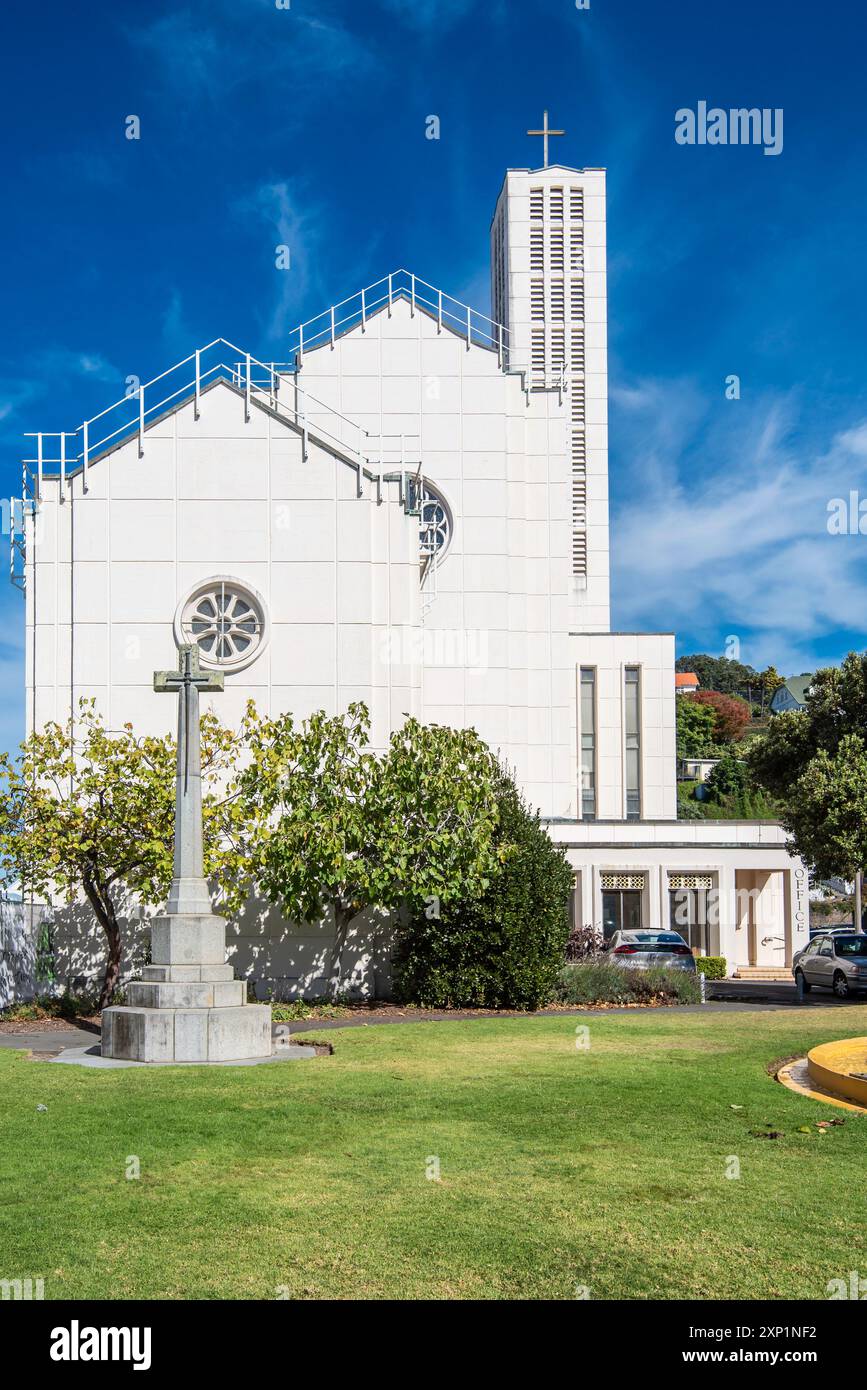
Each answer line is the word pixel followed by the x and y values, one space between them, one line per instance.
pixel 548 289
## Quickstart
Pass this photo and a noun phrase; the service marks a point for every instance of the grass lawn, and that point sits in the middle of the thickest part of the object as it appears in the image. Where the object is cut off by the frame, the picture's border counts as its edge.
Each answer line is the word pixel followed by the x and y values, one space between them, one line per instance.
pixel 559 1167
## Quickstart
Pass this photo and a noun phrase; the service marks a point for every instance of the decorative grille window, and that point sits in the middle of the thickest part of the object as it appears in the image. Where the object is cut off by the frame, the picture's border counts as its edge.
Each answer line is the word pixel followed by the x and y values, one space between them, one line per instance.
pixel 226 620
pixel 690 881
pixel 613 881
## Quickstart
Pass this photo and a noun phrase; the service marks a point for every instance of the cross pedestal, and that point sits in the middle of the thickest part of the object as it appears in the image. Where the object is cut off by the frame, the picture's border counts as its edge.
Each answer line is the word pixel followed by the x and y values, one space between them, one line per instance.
pixel 188 1006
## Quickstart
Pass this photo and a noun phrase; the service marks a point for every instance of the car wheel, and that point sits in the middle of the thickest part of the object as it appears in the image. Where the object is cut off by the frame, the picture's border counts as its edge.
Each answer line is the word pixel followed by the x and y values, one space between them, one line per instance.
pixel 802 981
pixel 841 985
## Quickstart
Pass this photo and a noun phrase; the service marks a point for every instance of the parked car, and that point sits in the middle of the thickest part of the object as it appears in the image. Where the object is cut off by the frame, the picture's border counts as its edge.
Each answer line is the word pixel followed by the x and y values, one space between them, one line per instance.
pixel 640 949
pixel 836 961
pixel 832 931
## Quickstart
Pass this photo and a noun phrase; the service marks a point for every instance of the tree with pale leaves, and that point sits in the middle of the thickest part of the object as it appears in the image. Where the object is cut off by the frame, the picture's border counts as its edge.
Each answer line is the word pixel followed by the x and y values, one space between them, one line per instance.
pixel 89 811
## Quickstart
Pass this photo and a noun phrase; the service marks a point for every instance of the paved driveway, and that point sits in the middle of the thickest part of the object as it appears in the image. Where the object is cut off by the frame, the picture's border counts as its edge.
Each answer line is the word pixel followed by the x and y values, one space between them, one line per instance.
pixel 777 992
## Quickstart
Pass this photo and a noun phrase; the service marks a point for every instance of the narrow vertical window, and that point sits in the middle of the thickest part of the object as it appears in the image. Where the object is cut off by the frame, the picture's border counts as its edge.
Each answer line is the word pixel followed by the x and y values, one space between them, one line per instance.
pixel 632 722
pixel 588 743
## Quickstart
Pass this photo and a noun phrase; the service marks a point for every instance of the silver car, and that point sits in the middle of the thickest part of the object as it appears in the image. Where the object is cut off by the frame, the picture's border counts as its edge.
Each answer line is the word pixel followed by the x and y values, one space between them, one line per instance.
pixel 835 961
pixel 640 949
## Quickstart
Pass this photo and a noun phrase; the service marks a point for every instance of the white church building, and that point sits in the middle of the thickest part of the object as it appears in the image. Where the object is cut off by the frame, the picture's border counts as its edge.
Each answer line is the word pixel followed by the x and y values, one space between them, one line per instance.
pixel 410 510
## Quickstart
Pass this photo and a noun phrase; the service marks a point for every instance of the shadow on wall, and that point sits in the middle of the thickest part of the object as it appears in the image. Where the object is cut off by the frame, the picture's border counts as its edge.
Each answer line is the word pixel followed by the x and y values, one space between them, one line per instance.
pixel 80 945
pixel 282 960
pixel 292 960
pixel 17 952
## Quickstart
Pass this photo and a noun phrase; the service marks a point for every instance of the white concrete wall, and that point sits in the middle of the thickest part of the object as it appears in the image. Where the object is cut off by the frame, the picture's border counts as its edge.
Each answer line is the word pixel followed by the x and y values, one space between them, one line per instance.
pixel 609 654
pixel 494 640
pixel 221 496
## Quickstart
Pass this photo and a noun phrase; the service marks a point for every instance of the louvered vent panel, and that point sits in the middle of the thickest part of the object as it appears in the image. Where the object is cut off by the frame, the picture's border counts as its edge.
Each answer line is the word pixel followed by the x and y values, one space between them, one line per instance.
pixel 579 552
pixel 558 347
pixel 556 204
pixel 577 350
pixel 537 203
pixel 537 252
pixel 556 250
pixel 576 294
pixel 576 203
pixel 537 350
pixel 576 248
pixel 558 300
pixel 577 395
pixel 537 299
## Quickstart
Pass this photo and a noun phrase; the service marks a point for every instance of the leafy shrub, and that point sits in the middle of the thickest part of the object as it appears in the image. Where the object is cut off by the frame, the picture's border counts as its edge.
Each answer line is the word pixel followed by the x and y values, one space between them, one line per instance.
pixel 503 949
pixel 712 967
pixel 57 1006
pixel 602 982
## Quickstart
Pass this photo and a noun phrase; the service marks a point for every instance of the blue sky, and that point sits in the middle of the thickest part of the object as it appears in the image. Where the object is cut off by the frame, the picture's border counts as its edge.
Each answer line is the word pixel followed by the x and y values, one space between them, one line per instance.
pixel 262 125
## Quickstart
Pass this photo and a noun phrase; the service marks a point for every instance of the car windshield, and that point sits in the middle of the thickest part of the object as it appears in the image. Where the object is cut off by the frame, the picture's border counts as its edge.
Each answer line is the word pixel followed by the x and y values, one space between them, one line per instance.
pixel 850 946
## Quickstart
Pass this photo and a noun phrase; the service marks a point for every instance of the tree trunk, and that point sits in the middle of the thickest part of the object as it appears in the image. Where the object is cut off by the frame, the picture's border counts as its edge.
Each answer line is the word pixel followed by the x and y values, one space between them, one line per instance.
pixel 342 918
pixel 100 900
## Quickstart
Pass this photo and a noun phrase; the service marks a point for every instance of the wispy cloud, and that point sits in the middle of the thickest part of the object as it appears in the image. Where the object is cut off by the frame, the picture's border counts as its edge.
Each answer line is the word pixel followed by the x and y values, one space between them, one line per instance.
pixel 38 373
pixel 734 538
pixel 294 220
pixel 209 50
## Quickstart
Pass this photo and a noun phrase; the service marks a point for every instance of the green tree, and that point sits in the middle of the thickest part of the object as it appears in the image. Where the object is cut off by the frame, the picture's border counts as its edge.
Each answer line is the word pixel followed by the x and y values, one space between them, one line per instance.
pixel 813 761
pixel 826 809
pixel 504 947
pixel 729 779
pixel 339 828
pixel 721 673
pixel 88 811
pixel 696 723
pixel 771 681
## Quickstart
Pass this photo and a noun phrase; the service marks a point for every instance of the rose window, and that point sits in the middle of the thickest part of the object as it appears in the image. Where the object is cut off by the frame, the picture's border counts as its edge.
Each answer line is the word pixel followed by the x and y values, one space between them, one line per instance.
pixel 226 621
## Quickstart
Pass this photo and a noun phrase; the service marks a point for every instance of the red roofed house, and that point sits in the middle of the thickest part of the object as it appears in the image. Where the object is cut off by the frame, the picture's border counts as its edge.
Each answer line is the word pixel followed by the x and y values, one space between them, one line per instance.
pixel 685 682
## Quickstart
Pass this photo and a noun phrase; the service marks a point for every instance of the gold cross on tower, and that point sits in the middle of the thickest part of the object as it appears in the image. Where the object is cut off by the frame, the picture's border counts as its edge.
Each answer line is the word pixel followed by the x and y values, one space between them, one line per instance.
pixel 545 132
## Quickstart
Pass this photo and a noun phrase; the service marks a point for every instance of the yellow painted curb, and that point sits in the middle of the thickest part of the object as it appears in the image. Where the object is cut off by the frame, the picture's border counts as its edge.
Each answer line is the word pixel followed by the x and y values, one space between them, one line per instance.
pixel 796 1077
pixel 833 1067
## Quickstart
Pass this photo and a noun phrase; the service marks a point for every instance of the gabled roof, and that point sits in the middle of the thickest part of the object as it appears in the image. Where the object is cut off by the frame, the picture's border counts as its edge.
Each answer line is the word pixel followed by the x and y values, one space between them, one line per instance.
pixel 685 678
pixel 798 686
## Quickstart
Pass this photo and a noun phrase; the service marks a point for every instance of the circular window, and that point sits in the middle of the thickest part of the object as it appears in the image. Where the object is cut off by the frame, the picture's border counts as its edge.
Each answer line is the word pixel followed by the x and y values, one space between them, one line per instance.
pixel 435 521
pixel 226 620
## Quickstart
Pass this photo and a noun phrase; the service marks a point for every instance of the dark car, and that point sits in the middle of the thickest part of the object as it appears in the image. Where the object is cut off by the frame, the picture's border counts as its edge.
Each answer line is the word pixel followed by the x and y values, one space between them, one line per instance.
pixel 835 960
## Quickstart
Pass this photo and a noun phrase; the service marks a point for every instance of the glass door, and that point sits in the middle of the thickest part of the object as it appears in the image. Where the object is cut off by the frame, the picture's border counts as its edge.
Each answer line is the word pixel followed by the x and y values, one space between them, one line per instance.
pixel 621 910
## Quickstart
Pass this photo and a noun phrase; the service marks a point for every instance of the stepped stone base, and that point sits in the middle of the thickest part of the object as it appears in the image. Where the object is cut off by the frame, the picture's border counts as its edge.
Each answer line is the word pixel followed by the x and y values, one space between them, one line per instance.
pixel 188 1007
pixel 187 1035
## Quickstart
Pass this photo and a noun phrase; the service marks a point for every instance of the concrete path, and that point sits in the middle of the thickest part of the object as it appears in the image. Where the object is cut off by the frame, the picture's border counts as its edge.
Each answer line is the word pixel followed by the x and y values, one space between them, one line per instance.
pixel 51 1040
